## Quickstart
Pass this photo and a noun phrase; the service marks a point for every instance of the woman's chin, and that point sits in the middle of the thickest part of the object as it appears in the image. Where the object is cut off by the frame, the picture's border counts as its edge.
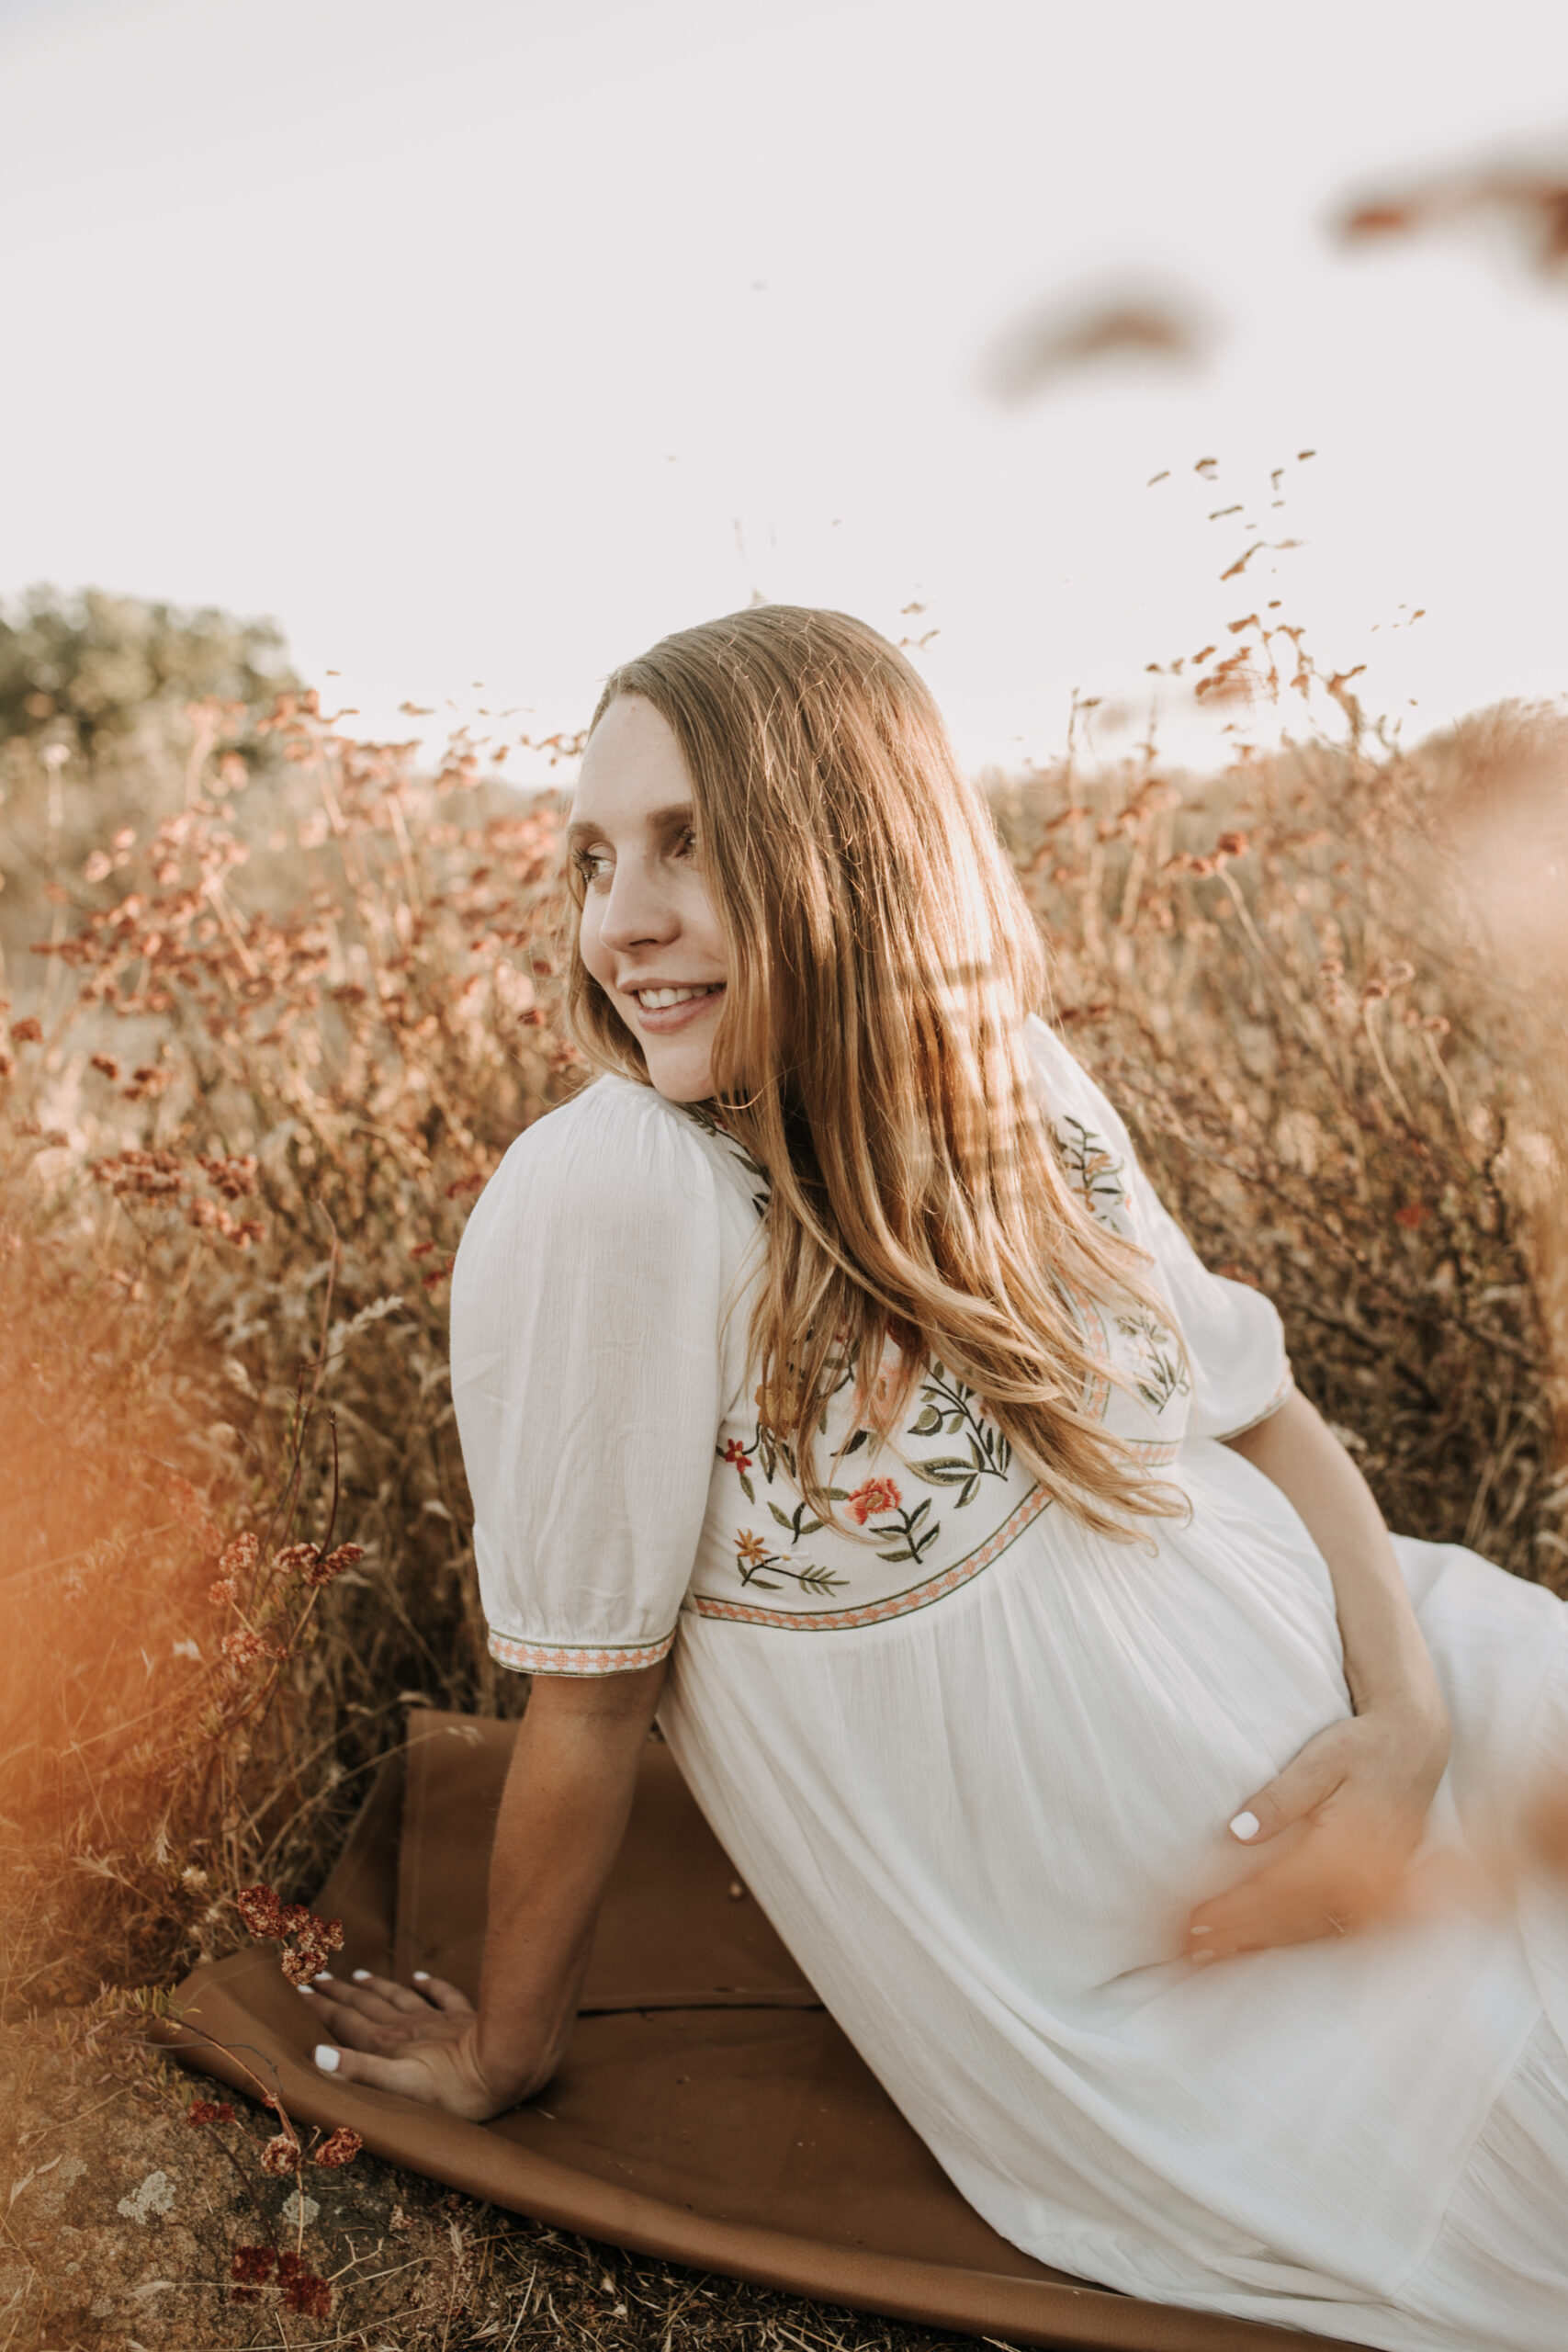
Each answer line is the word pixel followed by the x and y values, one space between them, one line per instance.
pixel 681 1073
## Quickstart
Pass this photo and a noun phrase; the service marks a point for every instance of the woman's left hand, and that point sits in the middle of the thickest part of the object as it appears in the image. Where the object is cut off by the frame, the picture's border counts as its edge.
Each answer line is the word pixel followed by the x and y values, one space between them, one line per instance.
pixel 1355 1800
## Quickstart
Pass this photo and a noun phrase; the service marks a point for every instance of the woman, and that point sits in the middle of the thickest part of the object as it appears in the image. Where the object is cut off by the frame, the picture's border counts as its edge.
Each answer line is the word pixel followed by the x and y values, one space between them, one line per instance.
pixel 832 1381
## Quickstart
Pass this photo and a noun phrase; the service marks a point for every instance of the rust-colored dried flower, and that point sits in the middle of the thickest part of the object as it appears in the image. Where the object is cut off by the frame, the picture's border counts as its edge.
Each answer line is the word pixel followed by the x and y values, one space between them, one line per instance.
pixel 209 2111
pixel 27 1033
pixel 262 1912
pixel 317 1941
pixel 107 1067
pixel 251 2266
pixel 246 1647
pixel 220 1590
pixel 232 1176
pixel 323 1571
pixel 237 1558
pixel 340 2149
pixel 304 2290
pixel 281 2156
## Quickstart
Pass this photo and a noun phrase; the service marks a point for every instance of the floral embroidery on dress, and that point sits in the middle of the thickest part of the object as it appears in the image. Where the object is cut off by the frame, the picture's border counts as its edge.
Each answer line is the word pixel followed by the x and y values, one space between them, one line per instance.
pixel 1092 1170
pixel 948 1406
pixel 761 1567
pixel 971 1456
pixel 1157 1363
pixel 1098 1178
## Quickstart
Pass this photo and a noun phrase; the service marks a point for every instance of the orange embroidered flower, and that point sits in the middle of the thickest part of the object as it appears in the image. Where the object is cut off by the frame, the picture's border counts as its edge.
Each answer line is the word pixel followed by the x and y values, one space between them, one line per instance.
pixel 876 1493
pixel 750 1548
pixel 736 1453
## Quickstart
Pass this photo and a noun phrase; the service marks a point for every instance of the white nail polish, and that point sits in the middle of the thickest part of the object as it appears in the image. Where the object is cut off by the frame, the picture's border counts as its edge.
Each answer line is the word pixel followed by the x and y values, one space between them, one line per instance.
pixel 308 1990
pixel 362 1975
pixel 323 1977
pixel 1201 1931
pixel 326 2057
pixel 1246 1826
pixel 421 1976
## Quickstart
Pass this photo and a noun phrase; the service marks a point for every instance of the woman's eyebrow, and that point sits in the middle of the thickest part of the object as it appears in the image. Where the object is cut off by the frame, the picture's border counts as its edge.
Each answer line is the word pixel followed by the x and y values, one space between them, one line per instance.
pixel 661 820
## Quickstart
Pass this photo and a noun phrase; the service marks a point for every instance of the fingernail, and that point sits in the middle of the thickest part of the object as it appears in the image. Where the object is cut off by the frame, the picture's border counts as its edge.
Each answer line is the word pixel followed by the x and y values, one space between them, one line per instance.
pixel 1200 1931
pixel 306 1989
pixel 323 1977
pixel 421 1976
pixel 326 2057
pixel 1246 1826
pixel 362 1975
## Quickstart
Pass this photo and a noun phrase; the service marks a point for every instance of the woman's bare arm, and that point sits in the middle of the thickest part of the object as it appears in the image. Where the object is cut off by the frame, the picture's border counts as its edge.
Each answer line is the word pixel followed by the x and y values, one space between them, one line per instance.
pixel 1359 1792
pixel 563 1813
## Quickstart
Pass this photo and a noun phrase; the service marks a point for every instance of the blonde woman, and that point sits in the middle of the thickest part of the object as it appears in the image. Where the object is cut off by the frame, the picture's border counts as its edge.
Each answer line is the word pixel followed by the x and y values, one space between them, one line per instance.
pixel 832 1383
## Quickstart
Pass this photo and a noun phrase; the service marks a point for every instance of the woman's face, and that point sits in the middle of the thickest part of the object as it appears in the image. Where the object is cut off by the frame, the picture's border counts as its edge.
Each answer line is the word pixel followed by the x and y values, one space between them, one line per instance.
pixel 648 930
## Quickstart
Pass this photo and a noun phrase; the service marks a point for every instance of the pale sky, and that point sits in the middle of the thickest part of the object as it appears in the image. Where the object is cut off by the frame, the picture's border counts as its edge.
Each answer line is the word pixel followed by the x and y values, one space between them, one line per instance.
pixel 488 342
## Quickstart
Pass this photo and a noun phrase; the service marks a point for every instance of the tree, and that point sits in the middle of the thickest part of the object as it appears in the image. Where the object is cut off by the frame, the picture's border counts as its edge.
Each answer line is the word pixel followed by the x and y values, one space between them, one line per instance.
pixel 85 669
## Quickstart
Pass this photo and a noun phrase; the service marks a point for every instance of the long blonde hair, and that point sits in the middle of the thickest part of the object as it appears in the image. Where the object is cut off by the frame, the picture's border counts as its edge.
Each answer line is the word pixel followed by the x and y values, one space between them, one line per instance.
pixel 870 1053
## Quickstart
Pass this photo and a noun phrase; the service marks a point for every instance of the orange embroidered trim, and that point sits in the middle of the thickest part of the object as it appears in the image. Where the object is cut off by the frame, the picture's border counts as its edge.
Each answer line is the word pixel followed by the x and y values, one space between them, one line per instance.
pixel 899 1604
pixel 568 1657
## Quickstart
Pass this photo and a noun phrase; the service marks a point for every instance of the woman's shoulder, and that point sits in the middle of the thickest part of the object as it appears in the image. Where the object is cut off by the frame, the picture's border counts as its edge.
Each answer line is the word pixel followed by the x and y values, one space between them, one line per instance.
pixel 1062 1087
pixel 617 1161
pixel 614 1141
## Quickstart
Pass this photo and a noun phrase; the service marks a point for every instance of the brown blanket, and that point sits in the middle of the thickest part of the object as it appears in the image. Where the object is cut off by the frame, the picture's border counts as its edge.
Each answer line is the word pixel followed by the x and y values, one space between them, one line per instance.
pixel 708 2110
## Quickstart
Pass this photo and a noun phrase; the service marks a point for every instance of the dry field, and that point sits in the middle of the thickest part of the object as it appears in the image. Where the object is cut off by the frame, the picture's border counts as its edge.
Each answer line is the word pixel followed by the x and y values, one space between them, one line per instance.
pixel 278 1001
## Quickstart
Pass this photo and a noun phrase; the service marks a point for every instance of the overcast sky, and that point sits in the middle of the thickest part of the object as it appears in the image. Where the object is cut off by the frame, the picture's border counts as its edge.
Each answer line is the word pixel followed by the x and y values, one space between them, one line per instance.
pixel 487 342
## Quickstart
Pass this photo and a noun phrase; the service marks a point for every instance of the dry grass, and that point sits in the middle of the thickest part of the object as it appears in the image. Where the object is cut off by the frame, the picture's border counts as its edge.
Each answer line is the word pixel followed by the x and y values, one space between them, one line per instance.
pixel 296 999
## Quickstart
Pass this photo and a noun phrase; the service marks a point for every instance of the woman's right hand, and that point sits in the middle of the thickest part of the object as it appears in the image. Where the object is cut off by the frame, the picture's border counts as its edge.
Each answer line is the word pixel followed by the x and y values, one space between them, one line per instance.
pixel 423 2043
pixel 563 1815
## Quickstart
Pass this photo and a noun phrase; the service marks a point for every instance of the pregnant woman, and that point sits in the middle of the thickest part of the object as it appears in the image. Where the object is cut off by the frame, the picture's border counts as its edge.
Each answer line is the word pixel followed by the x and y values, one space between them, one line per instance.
pixel 833 1386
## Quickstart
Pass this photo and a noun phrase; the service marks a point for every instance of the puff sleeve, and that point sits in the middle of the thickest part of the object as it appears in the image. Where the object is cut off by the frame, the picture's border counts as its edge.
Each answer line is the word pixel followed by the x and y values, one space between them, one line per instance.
pixel 586 1379
pixel 1234 1339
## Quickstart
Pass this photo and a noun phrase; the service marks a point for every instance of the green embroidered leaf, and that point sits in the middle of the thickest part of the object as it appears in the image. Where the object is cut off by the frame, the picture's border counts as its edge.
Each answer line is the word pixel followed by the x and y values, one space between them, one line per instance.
pixel 855 1443
pixel 838 1494
pixel 809 1527
pixel 970 1491
pixel 747 1489
pixel 944 1470
pixel 783 1516
pixel 975 1455
pixel 928 1424
pixel 896 1557
pixel 920 1511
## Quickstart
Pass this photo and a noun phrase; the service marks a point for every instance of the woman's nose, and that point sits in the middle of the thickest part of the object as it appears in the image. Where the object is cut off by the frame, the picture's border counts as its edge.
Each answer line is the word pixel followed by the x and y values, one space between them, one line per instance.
pixel 638 910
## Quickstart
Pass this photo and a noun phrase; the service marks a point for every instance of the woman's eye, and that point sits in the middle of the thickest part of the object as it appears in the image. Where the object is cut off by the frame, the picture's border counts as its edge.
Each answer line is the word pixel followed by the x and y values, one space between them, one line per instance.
pixel 688 844
pixel 592 864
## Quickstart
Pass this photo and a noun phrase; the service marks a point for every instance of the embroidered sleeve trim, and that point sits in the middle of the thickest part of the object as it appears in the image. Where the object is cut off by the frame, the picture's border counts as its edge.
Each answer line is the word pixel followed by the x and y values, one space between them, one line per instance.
pixel 1282 1396
pixel 570 1658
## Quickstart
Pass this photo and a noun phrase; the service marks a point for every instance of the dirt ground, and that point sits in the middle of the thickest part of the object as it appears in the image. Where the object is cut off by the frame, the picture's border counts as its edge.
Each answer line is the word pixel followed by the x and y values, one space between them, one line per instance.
pixel 126 2228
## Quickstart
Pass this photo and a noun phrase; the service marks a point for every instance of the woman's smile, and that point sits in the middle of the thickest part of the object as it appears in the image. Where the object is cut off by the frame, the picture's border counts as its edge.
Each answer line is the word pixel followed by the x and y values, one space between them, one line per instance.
pixel 659 1007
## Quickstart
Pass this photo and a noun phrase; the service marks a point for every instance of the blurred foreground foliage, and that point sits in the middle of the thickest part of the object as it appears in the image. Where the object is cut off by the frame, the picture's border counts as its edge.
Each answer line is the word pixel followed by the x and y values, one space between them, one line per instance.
pixel 289 998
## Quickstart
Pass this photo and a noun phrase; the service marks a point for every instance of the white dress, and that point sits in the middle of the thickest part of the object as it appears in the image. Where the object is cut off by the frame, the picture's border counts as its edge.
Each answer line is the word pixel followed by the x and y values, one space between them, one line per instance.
pixel 978 1773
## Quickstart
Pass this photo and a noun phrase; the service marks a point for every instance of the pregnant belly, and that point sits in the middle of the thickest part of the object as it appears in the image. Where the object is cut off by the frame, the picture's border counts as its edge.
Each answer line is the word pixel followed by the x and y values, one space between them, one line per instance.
pixel 1045 1763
